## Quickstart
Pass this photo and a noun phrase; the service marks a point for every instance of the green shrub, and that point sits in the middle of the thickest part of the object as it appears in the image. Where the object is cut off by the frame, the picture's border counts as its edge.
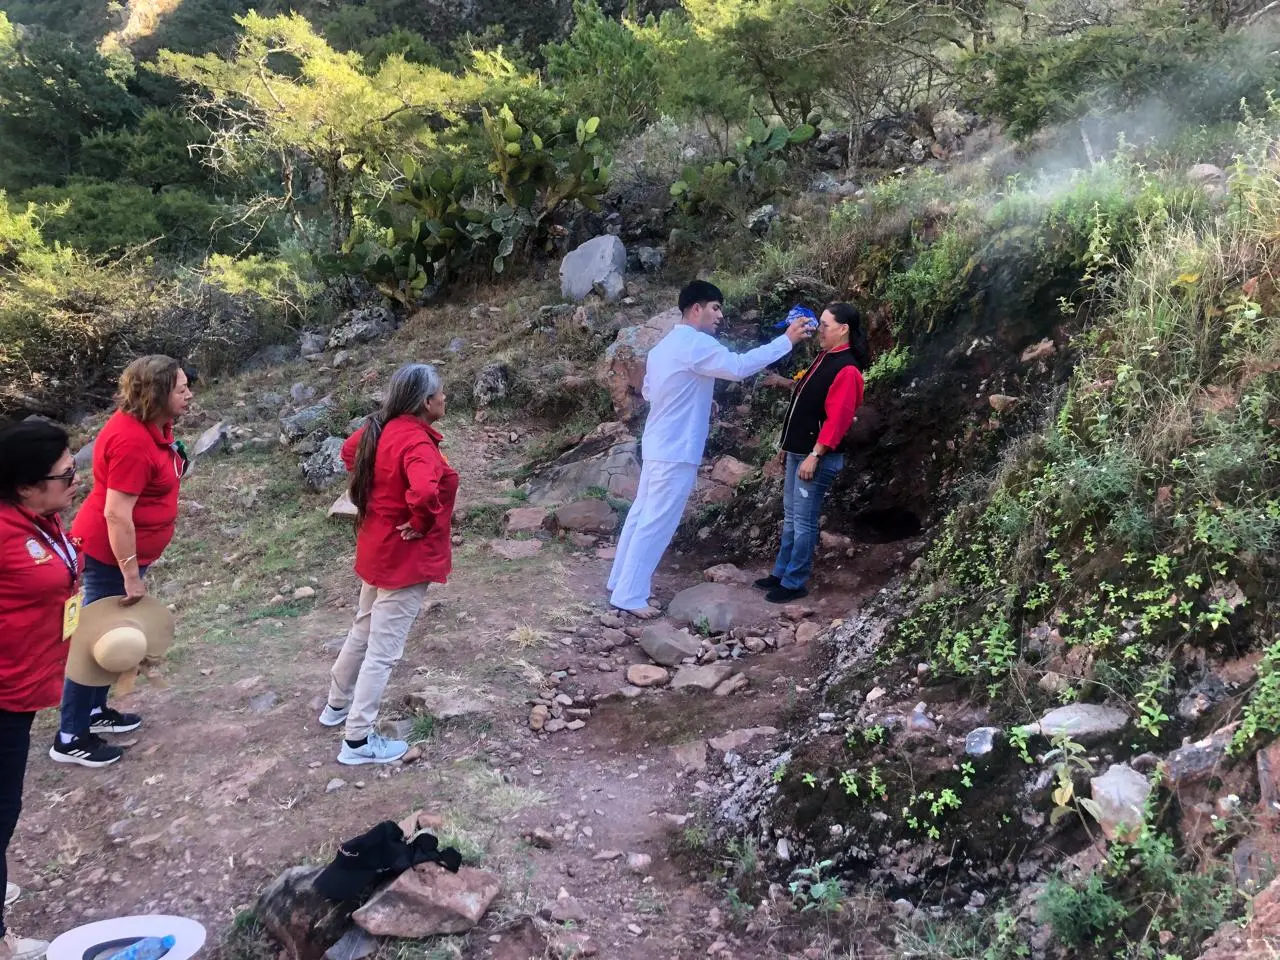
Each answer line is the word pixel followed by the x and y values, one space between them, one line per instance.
pixel 1035 84
pixel 110 218
pixel 1144 901
pixel 606 69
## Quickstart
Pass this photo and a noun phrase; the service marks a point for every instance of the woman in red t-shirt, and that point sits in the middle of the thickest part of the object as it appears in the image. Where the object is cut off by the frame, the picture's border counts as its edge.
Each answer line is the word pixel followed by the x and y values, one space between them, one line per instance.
pixel 123 527
pixel 39 577
pixel 404 491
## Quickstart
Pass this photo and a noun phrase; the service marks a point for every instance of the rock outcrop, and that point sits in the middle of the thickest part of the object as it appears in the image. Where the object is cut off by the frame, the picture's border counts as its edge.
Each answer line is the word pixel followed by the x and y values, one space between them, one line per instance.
pixel 621 370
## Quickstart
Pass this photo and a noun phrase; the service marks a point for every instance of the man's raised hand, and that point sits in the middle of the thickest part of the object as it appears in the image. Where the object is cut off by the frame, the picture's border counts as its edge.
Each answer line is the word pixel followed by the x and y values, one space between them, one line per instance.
pixel 799 330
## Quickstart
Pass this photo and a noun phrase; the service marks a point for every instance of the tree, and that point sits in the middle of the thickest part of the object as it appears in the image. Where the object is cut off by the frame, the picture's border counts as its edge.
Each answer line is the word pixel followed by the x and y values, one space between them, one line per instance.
pixel 286 96
pixel 160 150
pixel 887 56
pixel 52 95
pixel 606 68
pixel 757 42
pixel 685 62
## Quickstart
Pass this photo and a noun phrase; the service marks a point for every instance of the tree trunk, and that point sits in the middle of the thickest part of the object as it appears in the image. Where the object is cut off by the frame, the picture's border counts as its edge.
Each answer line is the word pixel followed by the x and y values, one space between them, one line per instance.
pixel 339 184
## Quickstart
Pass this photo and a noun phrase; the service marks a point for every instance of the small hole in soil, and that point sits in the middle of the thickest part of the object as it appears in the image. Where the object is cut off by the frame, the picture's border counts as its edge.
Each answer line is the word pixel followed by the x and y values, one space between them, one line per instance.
pixel 884 525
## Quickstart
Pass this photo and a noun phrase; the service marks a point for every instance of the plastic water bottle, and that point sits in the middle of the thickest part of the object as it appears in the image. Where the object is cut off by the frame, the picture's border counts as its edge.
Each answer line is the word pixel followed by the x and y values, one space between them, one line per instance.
pixel 148 948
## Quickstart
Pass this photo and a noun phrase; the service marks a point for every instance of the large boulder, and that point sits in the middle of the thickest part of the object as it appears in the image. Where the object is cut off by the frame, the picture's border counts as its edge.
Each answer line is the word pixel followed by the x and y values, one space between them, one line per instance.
pixel 706 677
pixel 273 356
pixel 719 607
pixel 311 344
pixel 667 645
pixel 760 220
pixel 324 468
pixel 1083 722
pixel 1209 178
pixel 949 126
pixel 650 259
pixel 429 901
pixel 304 921
pixel 212 440
pixel 587 516
pixel 343 508
pixel 296 426
pixel 607 459
pixel 493 383
pixel 525 520
pixel 450 703
pixel 731 471
pixel 361 326
pixel 600 263
pixel 621 370
pixel 84 457
pixel 1120 795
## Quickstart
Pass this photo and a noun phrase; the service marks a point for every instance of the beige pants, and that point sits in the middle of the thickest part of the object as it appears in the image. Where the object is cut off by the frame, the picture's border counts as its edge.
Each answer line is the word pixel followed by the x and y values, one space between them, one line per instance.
pixel 374 645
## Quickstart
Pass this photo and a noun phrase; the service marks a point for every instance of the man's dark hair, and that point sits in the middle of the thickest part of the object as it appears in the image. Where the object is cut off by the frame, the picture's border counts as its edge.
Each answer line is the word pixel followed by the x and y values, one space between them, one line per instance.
pixel 699 292
pixel 28 451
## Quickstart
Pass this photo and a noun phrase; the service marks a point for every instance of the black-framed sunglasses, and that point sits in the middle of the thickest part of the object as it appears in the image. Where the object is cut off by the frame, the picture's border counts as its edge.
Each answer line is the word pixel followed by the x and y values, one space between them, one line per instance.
pixel 68 476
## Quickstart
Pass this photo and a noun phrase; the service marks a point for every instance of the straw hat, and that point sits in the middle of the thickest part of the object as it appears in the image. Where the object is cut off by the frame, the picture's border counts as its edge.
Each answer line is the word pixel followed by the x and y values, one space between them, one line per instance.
pixel 97 941
pixel 113 641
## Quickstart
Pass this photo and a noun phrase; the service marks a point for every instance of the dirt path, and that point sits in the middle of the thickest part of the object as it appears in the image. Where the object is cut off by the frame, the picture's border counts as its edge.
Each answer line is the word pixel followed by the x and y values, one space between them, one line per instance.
pixel 231 780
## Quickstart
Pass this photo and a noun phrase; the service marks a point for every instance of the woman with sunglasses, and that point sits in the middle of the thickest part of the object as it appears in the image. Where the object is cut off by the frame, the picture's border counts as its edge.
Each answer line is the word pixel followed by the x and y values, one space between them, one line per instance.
pixel 124 526
pixel 39 609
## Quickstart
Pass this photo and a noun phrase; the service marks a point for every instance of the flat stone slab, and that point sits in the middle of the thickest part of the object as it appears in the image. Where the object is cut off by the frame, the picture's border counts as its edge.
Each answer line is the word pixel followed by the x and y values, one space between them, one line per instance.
pixel 666 645
pixel 719 607
pixel 704 678
pixel 737 739
pixel 516 549
pixel 1083 722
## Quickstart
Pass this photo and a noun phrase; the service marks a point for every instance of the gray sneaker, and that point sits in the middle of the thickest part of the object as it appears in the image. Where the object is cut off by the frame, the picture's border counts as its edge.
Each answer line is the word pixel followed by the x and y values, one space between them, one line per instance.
pixel 330 717
pixel 377 749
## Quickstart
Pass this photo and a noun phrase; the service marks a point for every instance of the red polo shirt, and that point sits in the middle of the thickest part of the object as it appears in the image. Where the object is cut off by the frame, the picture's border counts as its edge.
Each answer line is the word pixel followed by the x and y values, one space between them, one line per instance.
pixel 35 584
pixel 134 458
pixel 412 483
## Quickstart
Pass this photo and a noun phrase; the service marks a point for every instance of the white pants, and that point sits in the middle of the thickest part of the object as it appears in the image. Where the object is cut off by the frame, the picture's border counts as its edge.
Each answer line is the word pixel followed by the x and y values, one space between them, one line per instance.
pixel 374 645
pixel 651 523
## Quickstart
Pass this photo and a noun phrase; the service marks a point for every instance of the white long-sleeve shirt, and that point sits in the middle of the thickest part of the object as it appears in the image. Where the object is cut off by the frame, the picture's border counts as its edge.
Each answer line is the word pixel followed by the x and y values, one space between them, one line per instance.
pixel 679 380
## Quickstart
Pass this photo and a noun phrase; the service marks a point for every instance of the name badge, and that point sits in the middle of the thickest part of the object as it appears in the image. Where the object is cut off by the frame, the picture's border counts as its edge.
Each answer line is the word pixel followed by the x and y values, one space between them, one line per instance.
pixel 71 614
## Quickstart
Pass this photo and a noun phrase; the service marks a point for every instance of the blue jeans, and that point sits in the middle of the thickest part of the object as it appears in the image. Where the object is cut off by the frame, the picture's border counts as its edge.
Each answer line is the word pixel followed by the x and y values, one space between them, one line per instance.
pixel 78 701
pixel 801 510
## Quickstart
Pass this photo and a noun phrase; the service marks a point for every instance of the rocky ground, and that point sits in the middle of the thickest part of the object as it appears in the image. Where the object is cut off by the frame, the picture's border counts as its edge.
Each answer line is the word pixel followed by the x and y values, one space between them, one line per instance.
pixel 562 749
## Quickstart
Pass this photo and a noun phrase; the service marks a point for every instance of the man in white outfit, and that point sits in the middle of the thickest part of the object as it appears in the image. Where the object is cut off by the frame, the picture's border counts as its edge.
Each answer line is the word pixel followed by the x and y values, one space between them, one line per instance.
pixel 679 380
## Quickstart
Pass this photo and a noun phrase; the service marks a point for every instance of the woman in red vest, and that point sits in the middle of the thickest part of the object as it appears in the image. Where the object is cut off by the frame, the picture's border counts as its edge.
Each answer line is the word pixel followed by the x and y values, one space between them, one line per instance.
pixel 39 610
pixel 124 526
pixel 404 490
pixel 823 404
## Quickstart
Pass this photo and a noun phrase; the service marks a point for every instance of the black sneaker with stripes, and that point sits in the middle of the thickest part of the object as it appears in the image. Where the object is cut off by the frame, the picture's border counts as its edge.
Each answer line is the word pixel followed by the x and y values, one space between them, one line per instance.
pixel 89 750
pixel 110 720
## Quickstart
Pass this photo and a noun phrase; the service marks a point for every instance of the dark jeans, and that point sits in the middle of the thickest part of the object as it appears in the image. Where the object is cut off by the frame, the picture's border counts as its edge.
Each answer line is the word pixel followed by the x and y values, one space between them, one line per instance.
pixel 801 511
pixel 78 701
pixel 15 744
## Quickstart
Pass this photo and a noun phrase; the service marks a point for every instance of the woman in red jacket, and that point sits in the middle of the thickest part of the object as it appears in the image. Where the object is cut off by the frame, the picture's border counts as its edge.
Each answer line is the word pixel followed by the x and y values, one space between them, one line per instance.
pixel 403 489
pixel 124 526
pixel 39 609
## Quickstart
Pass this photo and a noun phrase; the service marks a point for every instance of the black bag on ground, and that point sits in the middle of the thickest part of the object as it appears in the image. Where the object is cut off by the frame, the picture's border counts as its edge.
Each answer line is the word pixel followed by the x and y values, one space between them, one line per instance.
pixel 380 854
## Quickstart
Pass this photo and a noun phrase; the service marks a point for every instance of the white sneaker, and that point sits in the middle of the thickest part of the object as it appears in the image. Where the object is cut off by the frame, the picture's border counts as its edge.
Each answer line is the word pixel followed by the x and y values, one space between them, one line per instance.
pixel 13 947
pixel 377 749
pixel 330 717
pixel 11 893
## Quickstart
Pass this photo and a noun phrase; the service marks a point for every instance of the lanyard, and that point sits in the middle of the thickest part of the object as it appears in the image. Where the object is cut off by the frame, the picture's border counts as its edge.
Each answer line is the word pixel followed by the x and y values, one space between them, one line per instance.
pixel 65 551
